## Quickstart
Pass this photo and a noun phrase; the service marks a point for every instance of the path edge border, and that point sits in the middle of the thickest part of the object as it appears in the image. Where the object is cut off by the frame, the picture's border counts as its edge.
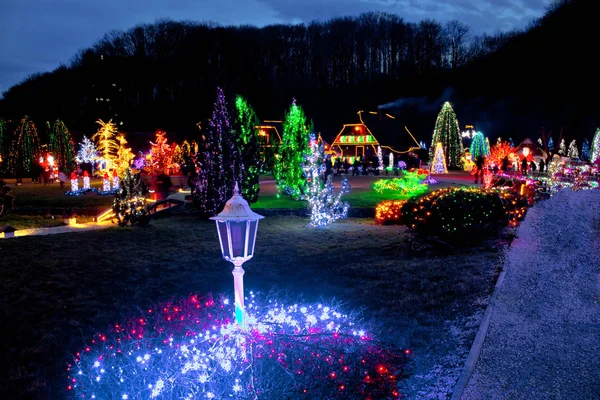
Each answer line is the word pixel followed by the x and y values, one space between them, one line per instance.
pixel 477 345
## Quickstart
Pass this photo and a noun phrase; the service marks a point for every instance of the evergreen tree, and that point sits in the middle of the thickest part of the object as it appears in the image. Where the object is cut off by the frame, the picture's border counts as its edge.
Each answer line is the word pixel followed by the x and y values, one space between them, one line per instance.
pixel 573 151
pixel 550 144
pixel 25 148
pixel 294 148
pixel 479 146
pixel 562 150
pixel 106 142
pixel 324 204
pixel 61 146
pixel 447 132
pixel 439 160
pixel 130 200
pixel 249 148
pixel 585 150
pixel 218 162
pixel 596 146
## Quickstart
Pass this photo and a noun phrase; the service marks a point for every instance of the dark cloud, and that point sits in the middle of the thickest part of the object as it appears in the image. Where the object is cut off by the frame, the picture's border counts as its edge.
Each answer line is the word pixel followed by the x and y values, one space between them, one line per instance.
pixel 38 35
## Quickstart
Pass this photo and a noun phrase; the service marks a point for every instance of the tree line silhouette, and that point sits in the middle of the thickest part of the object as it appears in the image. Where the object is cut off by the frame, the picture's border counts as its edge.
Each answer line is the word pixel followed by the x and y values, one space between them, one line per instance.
pixel 163 74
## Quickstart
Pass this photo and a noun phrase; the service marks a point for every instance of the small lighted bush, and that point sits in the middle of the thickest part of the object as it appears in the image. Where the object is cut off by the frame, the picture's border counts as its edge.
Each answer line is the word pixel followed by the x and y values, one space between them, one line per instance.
pixel 410 184
pixel 389 212
pixel 191 349
pixel 462 214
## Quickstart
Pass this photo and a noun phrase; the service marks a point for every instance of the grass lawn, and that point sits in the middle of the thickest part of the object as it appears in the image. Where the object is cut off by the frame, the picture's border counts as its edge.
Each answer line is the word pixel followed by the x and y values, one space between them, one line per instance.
pixel 356 200
pixel 58 290
pixel 40 196
pixel 37 221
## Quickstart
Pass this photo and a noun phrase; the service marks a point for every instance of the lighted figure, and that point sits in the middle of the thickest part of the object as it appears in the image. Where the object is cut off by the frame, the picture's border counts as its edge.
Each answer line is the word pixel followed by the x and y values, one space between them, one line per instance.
pixel 467 160
pixel 74 182
pixel 106 183
pixel 115 180
pixel 86 181
pixel 573 151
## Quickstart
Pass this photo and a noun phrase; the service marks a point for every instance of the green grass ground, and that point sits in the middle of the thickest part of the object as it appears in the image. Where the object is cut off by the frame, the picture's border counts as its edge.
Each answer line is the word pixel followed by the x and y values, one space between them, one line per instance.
pixel 56 291
pixel 43 196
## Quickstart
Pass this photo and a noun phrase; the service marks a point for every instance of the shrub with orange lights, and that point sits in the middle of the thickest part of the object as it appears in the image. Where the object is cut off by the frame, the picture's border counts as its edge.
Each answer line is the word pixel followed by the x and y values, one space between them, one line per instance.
pixel 389 212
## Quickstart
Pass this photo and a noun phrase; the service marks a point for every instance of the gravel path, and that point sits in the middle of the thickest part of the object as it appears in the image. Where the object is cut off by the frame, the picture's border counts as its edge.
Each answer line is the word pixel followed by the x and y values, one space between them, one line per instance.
pixel 543 341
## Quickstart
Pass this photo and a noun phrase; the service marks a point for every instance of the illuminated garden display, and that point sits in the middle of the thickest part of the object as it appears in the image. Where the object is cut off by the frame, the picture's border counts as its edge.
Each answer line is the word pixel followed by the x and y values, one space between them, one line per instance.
pixel 595 153
pixel 288 171
pixel 573 151
pixel 479 146
pixel 249 147
pixel 191 349
pixel 161 160
pixel 324 205
pixel 123 160
pixel 500 151
pixel 438 162
pixel 61 146
pixel 87 152
pixel 585 150
pixel 106 143
pixel 24 148
pixel 447 132
pixel 410 184
pixel 218 161
pixel 130 200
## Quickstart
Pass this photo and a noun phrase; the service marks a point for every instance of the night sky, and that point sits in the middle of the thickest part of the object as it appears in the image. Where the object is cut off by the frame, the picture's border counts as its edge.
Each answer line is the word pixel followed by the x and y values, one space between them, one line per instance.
pixel 38 35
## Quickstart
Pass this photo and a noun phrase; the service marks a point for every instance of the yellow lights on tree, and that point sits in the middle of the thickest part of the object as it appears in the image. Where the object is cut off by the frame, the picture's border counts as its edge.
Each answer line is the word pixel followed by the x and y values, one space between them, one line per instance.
pixel 106 143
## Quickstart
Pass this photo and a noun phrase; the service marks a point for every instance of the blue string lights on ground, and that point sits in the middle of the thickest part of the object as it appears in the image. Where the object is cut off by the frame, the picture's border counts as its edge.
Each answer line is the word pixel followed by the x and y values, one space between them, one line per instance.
pixel 192 349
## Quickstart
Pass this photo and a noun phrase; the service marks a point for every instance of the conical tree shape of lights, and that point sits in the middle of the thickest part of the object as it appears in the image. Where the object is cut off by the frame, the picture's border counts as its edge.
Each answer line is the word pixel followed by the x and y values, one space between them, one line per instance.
pixel 218 161
pixel 380 158
pixel 447 132
pixel 585 150
pixel 294 148
pixel 25 147
pixel 247 142
pixel 439 160
pixel 596 146
pixel 61 146
pixel 479 146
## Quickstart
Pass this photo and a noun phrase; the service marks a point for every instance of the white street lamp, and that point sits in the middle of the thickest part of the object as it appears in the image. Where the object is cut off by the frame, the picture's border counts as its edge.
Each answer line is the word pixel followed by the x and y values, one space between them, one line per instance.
pixel 237 225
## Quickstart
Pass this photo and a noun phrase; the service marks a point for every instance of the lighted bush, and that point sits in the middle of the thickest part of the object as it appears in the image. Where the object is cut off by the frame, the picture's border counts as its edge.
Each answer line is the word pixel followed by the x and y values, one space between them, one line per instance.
pixel 192 349
pixel 463 214
pixel 410 184
pixel 389 212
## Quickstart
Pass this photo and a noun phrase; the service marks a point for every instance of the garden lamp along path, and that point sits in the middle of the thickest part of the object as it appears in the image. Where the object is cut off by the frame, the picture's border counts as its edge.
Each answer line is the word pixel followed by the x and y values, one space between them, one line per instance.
pixel 237 225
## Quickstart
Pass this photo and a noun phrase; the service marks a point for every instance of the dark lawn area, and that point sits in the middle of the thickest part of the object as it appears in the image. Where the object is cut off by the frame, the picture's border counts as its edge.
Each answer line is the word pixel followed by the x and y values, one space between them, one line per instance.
pixel 57 291
pixel 52 196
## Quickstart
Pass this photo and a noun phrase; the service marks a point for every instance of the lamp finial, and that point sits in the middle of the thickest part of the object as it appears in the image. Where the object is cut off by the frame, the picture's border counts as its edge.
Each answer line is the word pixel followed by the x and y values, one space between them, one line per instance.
pixel 236 190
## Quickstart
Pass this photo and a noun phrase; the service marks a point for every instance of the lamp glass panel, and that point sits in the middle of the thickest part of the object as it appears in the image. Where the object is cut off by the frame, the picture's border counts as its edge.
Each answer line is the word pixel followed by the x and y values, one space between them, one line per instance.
pixel 252 236
pixel 238 237
pixel 224 238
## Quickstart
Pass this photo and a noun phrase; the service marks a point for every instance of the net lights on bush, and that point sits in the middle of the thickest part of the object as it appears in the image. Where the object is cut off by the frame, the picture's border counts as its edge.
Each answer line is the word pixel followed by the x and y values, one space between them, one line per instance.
pixel 410 184
pixel 324 204
pixel 191 349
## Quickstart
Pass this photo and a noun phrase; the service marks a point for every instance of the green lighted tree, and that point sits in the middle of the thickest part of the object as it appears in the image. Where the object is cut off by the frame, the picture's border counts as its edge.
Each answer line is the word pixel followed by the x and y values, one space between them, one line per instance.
pixel 24 148
pixel 61 146
pixel 247 143
pixel 479 146
pixel 294 148
pixel 447 132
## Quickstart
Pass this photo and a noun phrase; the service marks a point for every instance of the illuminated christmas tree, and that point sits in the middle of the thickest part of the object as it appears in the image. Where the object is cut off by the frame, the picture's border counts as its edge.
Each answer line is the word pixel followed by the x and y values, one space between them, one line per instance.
pixel 218 162
pixel 247 142
pixel 447 132
pixel 291 154
pixel 106 142
pixel 573 151
pixel 550 144
pixel 380 158
pixel 585 150
pixel 25 147
pixel 562 150
pixel 124 157
pixel 439 160
pixel 130 200
pixel 161 156
pixel 87 151
pixel 61 146
pixel 323 204
pixel 391 162
pixel 479 146
pixel 596 146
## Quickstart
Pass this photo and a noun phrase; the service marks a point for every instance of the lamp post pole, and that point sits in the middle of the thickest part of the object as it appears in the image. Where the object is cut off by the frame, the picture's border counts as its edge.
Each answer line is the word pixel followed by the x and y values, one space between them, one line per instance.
pixel 238 285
